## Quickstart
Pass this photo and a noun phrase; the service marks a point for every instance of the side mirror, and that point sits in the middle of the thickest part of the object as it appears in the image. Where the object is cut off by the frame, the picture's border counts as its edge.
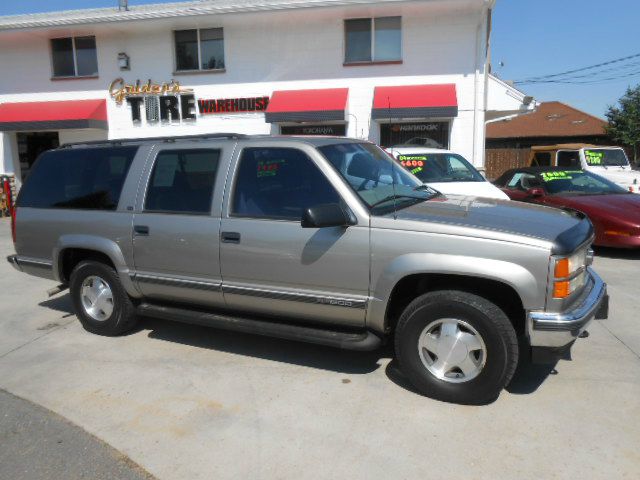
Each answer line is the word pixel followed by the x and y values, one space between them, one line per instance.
pixel 536 192
pixel 327 215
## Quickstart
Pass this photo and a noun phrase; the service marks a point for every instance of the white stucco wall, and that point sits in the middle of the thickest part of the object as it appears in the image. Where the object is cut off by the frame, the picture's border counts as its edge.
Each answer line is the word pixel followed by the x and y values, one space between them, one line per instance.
pixel 442 42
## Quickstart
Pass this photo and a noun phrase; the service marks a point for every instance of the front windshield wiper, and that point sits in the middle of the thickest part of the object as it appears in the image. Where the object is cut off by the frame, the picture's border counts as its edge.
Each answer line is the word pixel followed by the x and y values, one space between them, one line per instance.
pixel 388 198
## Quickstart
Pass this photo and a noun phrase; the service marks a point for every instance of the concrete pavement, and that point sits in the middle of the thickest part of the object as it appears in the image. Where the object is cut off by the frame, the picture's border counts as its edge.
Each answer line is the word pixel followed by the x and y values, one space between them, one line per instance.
pixel 190 402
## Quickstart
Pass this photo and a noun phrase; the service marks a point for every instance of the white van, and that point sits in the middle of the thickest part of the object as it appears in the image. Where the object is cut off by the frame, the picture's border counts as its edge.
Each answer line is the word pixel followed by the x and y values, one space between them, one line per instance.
pixel 445 171
pixel 608 162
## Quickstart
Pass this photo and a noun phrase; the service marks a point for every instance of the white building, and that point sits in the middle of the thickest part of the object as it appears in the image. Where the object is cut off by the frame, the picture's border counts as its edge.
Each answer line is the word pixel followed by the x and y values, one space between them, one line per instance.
pixel 384 70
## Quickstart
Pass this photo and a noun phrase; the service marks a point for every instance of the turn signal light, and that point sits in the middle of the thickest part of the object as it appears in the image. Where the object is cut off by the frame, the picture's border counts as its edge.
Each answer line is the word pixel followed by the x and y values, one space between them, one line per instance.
pixel 617 232
pixel 562 269
pixel 561 289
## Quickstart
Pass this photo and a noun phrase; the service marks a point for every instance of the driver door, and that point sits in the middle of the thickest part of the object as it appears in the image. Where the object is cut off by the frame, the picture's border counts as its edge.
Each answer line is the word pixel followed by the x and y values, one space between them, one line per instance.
pixel 269 263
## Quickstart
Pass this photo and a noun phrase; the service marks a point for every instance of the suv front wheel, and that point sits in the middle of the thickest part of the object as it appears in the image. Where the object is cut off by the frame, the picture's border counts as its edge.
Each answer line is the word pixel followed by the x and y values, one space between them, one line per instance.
pixel 100 301
pixel 456 346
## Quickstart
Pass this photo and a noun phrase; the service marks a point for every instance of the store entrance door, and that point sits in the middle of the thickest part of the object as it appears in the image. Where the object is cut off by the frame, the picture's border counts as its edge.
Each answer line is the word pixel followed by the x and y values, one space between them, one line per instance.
pixel 31 145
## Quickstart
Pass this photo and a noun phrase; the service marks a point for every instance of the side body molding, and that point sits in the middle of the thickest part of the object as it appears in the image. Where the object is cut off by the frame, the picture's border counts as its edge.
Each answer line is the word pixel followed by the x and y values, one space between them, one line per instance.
pixel 531 292
pixel 97 244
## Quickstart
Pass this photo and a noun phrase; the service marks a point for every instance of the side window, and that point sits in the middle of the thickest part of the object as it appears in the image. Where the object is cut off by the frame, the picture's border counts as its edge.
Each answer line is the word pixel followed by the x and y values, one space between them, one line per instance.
pixel 182 181
pixel 568 158
pixel 542 159
pixel 278 183
pixel 82 178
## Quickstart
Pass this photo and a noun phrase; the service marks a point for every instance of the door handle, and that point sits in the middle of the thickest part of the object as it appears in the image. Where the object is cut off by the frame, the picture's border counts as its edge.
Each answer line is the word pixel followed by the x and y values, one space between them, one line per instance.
pixel 230 237
pixel 141 230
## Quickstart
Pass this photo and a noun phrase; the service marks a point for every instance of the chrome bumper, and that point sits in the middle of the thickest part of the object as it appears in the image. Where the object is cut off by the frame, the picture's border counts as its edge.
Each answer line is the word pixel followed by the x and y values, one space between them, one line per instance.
pixel 13 260
pixel 548 329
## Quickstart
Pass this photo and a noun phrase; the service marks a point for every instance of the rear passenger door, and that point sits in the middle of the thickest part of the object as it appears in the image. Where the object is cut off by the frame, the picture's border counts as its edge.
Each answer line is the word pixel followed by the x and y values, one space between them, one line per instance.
pixel 270 264
pixel 176 225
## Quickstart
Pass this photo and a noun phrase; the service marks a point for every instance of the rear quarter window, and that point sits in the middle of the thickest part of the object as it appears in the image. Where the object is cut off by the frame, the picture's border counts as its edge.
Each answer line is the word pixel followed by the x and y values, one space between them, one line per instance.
pixel 83 178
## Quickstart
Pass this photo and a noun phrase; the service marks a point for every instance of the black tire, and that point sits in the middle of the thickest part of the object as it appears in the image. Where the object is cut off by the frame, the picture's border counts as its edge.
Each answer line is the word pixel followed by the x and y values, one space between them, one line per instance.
pixel 486 318
pixel 122 318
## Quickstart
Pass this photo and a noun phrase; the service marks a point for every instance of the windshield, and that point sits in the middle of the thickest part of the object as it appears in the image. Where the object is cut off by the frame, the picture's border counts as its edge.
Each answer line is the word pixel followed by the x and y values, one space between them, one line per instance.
pixel 577 182
pixel 378 180
pixel 440 167
pixel 606 157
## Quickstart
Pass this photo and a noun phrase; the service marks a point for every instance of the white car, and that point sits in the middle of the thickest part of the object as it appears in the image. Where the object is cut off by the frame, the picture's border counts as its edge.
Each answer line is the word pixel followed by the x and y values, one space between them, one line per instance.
pixel 446 171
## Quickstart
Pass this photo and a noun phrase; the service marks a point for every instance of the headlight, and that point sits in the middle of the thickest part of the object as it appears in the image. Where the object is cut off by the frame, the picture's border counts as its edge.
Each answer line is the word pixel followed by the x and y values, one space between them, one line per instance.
pixel 569 274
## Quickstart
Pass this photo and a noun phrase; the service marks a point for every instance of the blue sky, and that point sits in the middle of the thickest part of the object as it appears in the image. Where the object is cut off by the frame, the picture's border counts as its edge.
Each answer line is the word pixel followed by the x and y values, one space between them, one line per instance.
pixel 531 38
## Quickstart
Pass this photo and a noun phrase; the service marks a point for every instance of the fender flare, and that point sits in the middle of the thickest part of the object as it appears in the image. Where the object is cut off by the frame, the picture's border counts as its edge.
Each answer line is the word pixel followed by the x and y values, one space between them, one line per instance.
pixel 516 276
pixel 98 244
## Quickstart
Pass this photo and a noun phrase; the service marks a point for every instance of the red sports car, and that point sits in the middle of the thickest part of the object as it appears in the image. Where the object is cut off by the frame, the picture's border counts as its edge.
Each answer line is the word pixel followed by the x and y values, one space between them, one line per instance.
pixel 614 212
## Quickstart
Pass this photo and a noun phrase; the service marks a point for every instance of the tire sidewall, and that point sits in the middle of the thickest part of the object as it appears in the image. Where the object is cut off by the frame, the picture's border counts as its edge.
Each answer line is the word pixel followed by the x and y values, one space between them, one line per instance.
pixel 437 307
pixel 112 325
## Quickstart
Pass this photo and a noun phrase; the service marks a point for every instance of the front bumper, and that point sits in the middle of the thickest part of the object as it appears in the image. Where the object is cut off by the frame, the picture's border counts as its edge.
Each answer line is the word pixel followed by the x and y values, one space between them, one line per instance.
pixel 13 260
pixel 555 330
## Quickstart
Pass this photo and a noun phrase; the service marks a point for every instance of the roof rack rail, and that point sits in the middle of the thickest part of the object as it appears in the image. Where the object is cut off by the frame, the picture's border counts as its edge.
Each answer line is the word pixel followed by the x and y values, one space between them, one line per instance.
pixel 122 141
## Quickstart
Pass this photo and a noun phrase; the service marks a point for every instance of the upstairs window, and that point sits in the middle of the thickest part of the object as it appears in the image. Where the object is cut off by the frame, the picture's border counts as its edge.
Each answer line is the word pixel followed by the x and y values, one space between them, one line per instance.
pixel 199 49
pixel 370 40
pixel 74 57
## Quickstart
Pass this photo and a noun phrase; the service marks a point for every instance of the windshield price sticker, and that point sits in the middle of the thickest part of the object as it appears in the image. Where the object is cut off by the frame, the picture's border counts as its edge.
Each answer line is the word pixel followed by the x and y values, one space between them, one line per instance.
pixel 558 175
pixel 594 158
pixel 269 168
pixel 412 161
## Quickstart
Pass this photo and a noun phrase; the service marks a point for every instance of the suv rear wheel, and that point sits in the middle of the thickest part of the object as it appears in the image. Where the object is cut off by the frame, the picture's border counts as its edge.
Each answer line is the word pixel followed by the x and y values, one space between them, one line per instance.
pixel 100 301
pixel 456 346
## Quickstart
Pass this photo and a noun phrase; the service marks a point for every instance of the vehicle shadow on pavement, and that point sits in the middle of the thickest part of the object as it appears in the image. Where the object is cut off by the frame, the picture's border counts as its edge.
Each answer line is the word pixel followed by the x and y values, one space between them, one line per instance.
pixel 267 348
pixel 60 303
pixel 617 253
pixel 529 377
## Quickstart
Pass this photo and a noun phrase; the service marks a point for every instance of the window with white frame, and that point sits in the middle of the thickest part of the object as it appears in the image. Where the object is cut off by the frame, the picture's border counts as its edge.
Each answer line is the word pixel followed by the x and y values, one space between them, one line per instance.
pixel 369 40
pixel 74 57
pixel 199 49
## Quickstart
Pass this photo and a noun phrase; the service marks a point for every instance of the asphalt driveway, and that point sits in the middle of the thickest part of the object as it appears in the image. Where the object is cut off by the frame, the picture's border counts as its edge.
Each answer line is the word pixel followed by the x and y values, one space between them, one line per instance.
pixel 190 402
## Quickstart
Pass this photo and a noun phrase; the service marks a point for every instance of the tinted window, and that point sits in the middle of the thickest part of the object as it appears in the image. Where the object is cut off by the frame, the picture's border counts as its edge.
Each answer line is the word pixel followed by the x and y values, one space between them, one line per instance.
pixel 74 57
pixel 358 40
pixel 199 49
pixel 62 56
pixel 383 45
pixel 83 178
pixel 578 182
pixel 379 181
pixel 542 159
pixel 568 159
pixel 279 183
pixel 86 59
pixel 182 181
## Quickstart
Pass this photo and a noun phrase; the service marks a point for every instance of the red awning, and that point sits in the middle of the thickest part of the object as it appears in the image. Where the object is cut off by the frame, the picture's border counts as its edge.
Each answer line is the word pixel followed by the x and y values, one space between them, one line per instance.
pixel 415 101
pixel 53 115
pixel 307 105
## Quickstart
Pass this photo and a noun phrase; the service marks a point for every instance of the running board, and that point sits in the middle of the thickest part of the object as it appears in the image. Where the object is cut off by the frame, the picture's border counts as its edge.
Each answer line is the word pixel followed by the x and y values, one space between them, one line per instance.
pixel 361 341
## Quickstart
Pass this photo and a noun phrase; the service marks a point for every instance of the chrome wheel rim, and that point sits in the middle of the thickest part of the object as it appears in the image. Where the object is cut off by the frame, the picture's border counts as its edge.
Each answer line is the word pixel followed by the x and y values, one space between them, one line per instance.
pixel 452 350
pixel 97 298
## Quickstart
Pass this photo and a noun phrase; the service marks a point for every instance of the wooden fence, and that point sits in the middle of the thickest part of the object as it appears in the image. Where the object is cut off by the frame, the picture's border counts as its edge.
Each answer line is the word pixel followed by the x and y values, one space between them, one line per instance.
pixel 499 160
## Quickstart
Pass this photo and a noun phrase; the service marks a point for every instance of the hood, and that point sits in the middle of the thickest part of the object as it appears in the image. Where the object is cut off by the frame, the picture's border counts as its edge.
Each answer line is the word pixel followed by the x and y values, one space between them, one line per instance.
pixel 625 206
pixel 621 176
pixel 472 189
pixel 499 219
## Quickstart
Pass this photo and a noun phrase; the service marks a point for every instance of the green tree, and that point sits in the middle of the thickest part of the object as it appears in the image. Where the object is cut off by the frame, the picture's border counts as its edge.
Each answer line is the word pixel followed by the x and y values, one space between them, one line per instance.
pixel 624 120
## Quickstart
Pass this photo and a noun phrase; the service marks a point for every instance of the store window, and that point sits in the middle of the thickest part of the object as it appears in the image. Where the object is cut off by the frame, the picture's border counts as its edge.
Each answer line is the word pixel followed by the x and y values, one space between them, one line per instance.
pixel 424 134
pixel 199 49
pixel 373 40
pixel 279 183
pixel 74 57
pixel 182 181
